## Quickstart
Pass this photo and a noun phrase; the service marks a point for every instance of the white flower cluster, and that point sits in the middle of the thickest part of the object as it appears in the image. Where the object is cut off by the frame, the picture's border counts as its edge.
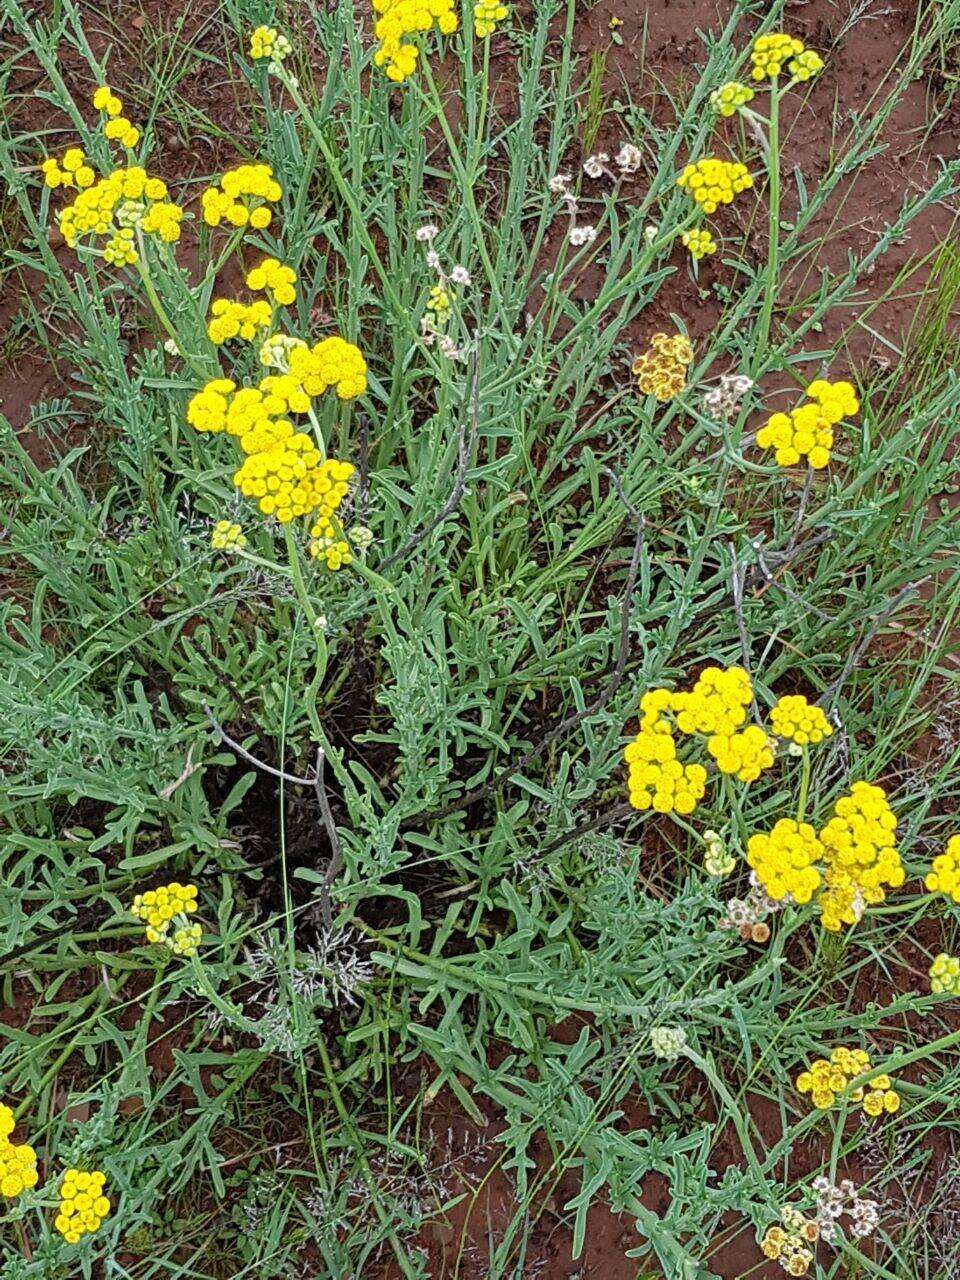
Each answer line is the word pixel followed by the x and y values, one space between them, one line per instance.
pixel 833 1201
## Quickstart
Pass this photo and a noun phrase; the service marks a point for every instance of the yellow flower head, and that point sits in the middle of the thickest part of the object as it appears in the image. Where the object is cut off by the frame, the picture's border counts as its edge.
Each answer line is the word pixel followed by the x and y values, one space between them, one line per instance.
pixel 83 1205
pixel 290 480
pixel 945 975
pixel 335 552
pixel 18 1162
pixel 122 130
pixel 711 182
pixel 944 874
pixel 274 278
pixel 771 51
pixel 242 197
pixel 71 170
pixel 267 42
pixel 227 536
pixel 186 940
pixel 785 861
pixel 808 430
pixel 486 15
pixel 805 65
pixel 237 320
pixel 717 703
pixel 700 243
pixel 746 754
pixel 860 856
pixel 158 907
pixel 799 721
pixel 729 98
pixel 105 100
pixel 399 19
pixel 122 202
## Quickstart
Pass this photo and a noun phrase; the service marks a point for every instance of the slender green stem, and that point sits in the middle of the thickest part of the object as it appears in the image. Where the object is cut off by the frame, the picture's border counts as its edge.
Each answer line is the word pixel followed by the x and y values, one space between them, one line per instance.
pixel 313 620
pixel 143 271
pixel 804 784
pixel 773 249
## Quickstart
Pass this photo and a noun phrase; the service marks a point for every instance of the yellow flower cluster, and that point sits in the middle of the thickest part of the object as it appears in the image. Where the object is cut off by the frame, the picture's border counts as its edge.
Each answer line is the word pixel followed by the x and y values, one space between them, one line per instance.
pixel 117 128
pixel 163 221
pixel 944 873
pixel 290 480
pixel 700 243
pixel 274 278
pixel 401 18
pixel 716 708
pixel 829 1079
pixel 657 780
pixel 439 301
pixel 128 198
pixel 333 362
pixel 158 907
pixel 71 170
pixel 771 51
pixel 717 703
pixel 105 100
pixel 860 855
pixel 123 131
pixel 237 320
pixel 186 940
pixel 799 721
pixel 808 430
pixel 83 1206
pixel 805 65
pixel 242 197
pixel 789 1244
pixel 662 369
pixel 785 860
pixel 335 552
pixel 227 536
pixel 119 250
pixel 283 470
pixel 945 975
pixel 267 42
pixel 744 754
pixel 18 1162
pixel 486 15
pixel 730 97
pixel 711 182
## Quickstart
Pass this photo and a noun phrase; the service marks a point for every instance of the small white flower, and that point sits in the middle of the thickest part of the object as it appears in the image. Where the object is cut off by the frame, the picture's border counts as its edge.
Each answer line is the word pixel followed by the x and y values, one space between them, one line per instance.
pixel 171 348
pixel 583 235
pixel 559 184
pixel 593 166
pixel 427 233
pixel 629 158
pixel 650 232
pixel 460 275
pixel 449 348
pixel 433 260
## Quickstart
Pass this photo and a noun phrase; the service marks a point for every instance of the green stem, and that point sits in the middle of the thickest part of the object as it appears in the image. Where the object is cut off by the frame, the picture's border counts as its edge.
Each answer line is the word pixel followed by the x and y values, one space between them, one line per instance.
pixel 316 630
pixel 158 309
pixel 804 785
pixel 773 249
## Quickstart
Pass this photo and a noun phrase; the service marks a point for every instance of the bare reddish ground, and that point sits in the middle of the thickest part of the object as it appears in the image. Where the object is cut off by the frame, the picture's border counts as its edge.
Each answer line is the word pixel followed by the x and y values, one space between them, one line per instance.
pixel 466 1153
